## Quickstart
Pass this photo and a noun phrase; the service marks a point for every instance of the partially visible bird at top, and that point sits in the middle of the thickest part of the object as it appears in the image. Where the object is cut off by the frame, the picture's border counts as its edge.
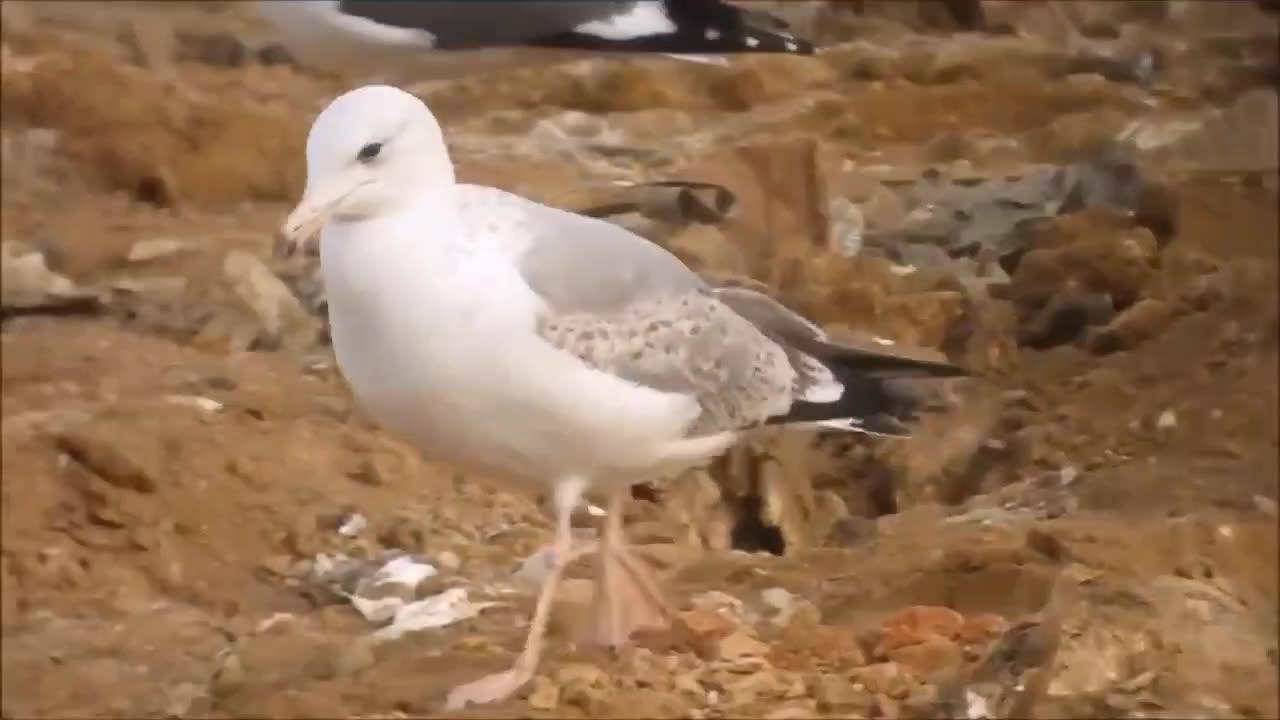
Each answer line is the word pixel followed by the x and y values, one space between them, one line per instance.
pixel 437 39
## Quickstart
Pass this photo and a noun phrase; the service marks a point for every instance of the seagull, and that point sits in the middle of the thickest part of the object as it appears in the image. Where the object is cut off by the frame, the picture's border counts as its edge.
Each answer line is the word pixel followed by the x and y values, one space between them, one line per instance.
pixel 555 351
pixel 436 35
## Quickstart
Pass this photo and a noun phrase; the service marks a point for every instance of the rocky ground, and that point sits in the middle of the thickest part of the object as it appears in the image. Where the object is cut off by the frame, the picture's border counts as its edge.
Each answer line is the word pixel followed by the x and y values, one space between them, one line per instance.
pixel 1080 204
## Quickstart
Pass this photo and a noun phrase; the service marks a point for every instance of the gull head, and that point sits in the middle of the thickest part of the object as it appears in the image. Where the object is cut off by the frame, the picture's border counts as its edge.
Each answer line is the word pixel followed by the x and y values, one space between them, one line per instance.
pixel 372 151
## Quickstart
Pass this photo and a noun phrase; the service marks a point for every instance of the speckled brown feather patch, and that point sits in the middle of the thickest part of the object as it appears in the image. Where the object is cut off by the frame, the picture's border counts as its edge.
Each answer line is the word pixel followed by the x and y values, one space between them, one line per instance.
pixel 685 343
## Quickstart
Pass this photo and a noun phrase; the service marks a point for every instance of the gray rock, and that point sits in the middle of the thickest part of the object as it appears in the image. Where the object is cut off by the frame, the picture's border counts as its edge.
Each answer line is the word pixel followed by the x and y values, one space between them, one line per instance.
pixel 996 215
pixel 27 285
pixel 283 321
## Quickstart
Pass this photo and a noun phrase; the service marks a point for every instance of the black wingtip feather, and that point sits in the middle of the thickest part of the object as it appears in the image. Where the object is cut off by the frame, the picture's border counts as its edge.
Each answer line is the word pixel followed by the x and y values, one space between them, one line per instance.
pixel 871 362
pixel 703 27
pixel 894 366
pixel 876 399
pixel 871 404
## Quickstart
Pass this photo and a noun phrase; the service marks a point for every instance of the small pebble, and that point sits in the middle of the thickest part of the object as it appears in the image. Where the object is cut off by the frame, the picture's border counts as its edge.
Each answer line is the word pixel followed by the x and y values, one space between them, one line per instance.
pixel 354 657
pixel 229 677
pixel 154 249
pixel 353 525
pixel 448 560
pixel 545 694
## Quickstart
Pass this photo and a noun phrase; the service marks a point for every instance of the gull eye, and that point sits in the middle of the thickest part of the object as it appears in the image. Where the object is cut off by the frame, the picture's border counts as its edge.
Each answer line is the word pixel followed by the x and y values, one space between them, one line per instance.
pixel 369 152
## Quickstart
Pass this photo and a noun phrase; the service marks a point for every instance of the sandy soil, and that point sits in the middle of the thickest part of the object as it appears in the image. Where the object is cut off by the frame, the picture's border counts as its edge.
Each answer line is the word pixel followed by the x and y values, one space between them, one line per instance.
pixel 1088 526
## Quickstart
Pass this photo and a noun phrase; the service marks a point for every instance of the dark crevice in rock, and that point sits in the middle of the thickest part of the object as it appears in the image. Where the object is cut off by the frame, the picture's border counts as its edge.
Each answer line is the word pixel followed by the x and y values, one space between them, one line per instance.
pixel 750 532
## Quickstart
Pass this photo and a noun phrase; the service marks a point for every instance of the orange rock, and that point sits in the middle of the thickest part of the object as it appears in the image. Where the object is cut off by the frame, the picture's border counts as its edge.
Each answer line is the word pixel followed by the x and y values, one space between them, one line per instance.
pixel 708 623
pixel 628 87
pixel 545 694
pixel 1140 322
pixel 752 687
pixel 702 630
pixel 782 201
pixel 126 132
pixel 760 79
pixel 915 625
pixel 833 692
pixel 740 645
pixel 925 318
pixel 931 658
pixel 828 646
pixel 888 678
pixel 1096 250
pixel 704 247
pixel 981 628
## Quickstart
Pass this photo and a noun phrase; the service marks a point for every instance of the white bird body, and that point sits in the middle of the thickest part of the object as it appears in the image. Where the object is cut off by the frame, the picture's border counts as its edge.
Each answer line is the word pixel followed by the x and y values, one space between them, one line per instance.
pixel 476 399
pixel 551 349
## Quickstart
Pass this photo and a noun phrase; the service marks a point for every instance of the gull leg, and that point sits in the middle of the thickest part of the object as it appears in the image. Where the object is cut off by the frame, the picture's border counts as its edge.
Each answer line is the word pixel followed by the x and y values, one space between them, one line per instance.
pixel 627 596
pixel 576 520
pixel 499 686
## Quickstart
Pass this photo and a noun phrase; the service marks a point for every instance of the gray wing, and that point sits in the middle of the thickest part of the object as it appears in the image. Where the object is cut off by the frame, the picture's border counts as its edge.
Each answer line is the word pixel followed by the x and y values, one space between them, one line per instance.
pixel 468 24
pixel 584 265
pixel 794 334
pixel 688 343
pixel 627 306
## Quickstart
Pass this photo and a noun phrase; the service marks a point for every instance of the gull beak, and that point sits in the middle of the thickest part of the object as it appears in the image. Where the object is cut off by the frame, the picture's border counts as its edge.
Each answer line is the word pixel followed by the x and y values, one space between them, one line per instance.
pixel 318 204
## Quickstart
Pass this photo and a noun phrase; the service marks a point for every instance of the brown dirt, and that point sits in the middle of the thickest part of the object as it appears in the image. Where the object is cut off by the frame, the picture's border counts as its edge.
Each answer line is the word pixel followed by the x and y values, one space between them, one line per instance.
pixel 146 536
